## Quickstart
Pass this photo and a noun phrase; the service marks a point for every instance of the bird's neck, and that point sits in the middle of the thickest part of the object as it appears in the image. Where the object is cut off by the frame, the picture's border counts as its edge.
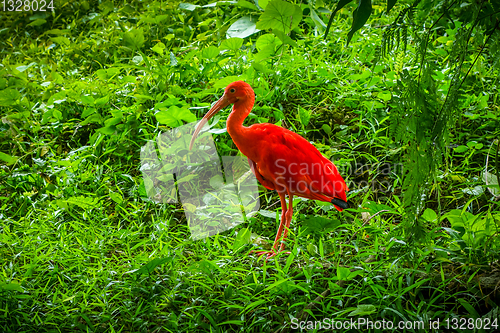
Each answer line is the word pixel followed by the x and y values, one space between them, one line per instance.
pixel 239 133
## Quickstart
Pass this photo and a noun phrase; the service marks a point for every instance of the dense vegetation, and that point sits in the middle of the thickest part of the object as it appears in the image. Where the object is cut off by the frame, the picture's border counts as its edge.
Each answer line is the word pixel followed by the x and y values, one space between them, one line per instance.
pixel 406 106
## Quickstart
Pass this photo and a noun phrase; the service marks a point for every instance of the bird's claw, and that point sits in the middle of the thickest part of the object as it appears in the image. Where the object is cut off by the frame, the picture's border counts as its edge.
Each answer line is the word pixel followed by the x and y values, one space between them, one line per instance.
pixel 268 254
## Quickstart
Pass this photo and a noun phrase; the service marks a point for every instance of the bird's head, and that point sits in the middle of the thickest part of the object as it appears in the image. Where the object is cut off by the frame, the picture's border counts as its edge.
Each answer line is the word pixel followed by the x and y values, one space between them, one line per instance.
pixel 238 92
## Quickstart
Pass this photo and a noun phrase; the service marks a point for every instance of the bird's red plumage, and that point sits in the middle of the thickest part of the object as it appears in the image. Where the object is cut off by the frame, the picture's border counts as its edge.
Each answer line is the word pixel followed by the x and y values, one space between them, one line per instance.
pixel 280 159
pixel 292 164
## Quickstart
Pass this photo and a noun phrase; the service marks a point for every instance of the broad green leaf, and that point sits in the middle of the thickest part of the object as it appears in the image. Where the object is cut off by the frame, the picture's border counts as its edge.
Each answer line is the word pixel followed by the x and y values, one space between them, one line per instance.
pixel 137 59
pixel 174 116
pixel 284 38
pixel 159 48
pixel 93 118
pixel 188 6
pixel 87 99
pixel 242 238
pixel 116 197
pixel 23 68
pixel 107 130
pixel 154 20
pixel 261 67
pixel 483 101
pixel 82 201
pixel 161 18
pixel 186 115
pixel 343 273
pixel 11 286
pixel 280 15
pixel 263 3
pixel 222 83
pixel 57 98
pixel 266 40
pixel 47 116
pixel 429 215
pixel 359 17
pixel 457 219
pixel 246 4
pixel 57 114
pixel 173 60
pixel 312 249
pixel 461 149
pixel 210 52
pixel 242 28
pixel 363 310
pixel 444 39
pixel 113 121
pixel 102 100
pixel 148 19
pixel 267 213
pixel 171 100
pixel 318 224
pixel 218 130
pixel 205 266
pixel 102 74
pixel 7 158
pixel 134 38
pixel 37 22
pixel 317 20
pixel 384 95
pixel 216 181
pixel 304 116
pixel 326 128
pixel 471 144
pixel 61 40
pixel 87 112
pixel 9 96
pixel 492 181
pixel 232 44
pixel 56 32
pixel 106 7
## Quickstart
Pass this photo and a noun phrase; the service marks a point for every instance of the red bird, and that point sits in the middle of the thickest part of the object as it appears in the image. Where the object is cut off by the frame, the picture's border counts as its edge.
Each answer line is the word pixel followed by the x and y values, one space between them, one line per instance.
pixel 280 159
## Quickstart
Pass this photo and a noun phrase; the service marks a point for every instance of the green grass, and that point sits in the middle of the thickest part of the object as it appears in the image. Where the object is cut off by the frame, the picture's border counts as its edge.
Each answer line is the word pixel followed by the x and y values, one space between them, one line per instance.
pixel 82 247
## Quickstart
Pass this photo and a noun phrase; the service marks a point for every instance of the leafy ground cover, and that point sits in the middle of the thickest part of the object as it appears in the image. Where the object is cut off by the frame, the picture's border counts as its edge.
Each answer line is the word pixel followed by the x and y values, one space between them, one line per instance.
pixel 83 248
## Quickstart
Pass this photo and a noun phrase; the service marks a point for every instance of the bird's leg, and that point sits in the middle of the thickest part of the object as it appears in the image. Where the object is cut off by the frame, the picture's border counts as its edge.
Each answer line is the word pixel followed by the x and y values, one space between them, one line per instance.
pixel 288 215
pixel 284 223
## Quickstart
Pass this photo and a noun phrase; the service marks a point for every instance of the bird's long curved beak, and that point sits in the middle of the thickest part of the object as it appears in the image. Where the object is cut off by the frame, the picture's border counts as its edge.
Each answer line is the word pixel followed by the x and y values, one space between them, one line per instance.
pixel 219 105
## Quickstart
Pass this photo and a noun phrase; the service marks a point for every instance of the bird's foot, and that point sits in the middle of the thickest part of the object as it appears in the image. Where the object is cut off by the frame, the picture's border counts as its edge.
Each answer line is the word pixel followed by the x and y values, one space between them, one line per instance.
pixel 268 254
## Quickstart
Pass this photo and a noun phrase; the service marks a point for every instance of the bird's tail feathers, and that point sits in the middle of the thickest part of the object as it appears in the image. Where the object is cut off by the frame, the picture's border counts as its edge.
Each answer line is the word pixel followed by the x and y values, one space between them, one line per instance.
pixel 340 203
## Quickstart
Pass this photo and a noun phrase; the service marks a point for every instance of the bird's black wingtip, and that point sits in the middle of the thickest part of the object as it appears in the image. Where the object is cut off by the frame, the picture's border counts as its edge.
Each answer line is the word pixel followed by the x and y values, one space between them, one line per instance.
pixel 340 203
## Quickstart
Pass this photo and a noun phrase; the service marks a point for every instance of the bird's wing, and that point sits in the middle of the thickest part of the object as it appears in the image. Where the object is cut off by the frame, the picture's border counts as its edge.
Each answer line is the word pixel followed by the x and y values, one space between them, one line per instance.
pixel 294 164
pixel 266 183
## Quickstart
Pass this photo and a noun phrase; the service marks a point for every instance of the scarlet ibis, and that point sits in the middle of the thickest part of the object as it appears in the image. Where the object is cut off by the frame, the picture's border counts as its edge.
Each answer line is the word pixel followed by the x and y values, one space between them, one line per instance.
pixel 280 159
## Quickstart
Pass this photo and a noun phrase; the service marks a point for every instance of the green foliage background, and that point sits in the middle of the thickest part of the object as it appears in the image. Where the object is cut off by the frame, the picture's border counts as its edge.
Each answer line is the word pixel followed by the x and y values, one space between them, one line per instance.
pixel 406 106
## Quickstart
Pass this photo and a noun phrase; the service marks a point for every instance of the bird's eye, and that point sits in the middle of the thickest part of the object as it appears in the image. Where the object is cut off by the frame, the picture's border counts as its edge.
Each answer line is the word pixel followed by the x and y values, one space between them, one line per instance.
pixel 232 90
